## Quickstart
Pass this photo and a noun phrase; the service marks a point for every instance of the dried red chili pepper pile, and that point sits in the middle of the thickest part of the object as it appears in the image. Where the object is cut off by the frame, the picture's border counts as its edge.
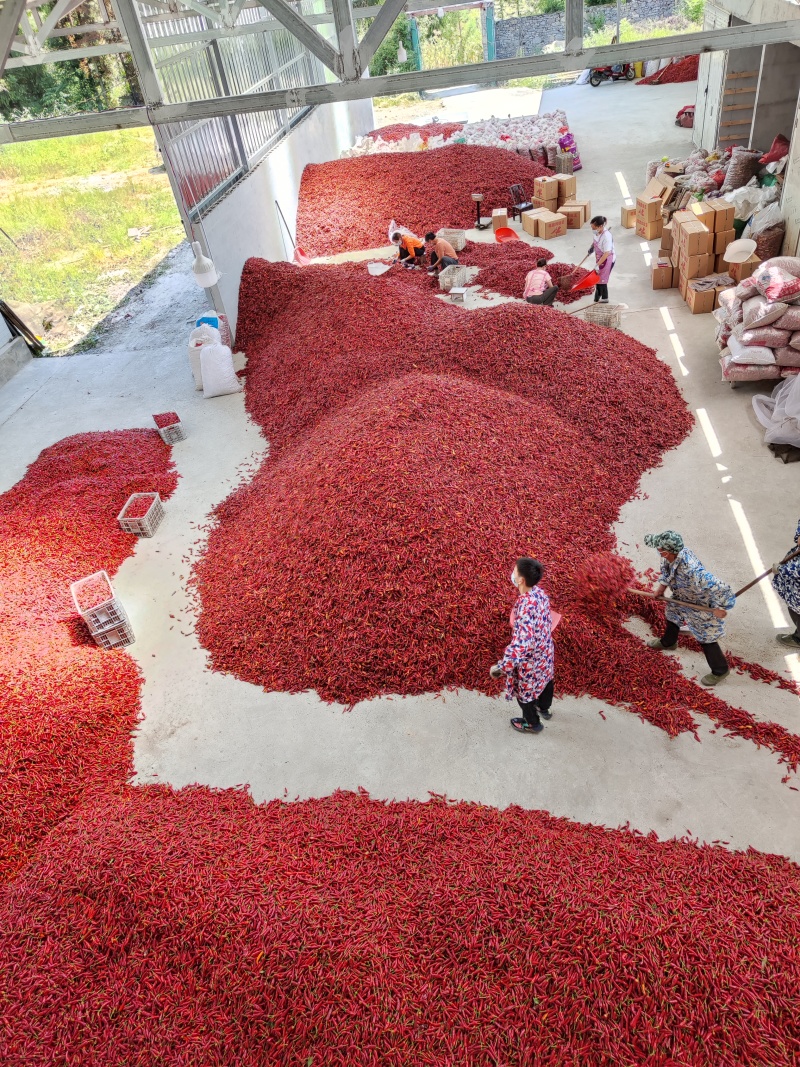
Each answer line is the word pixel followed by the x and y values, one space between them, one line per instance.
pixel 503 267
pixel 139 508
pixel 398 130
pixel 348 204
pixel 680 70
pixel 68 706
pixel 92 591
pixel 166 418
pixel 415 450
pixel 196 928
pixel 602 583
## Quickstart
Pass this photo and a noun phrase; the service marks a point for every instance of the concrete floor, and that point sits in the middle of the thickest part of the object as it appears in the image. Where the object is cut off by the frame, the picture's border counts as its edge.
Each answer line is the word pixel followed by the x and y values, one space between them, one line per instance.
pixel 722 489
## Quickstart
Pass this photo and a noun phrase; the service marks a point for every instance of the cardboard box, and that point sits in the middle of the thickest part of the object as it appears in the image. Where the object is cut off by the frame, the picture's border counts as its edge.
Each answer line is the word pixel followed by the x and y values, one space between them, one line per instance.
pixel 722 238
pixel 683 285
pixel 666 237
pixel 530 221
pixel 720 266
pixel 546 188
pixel 550 225
pixel 545 205
pixel 723 214
pixel 573 213
pixel 695 239
pixel 650 231
pixel 693 266
pixel 648 210
pixel 680 217
pixel 662 274
pixel 660 186
pixel 674 171
pixel 740 271
pixel 585 204
pixel 675 256
pixel 628 217
pixel 499 218
pixel 567 186
pixel 703 212
pixel 700 302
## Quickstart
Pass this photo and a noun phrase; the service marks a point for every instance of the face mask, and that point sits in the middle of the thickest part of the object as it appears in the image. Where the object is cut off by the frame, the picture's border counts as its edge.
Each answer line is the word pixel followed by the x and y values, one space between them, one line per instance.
pixel 513 581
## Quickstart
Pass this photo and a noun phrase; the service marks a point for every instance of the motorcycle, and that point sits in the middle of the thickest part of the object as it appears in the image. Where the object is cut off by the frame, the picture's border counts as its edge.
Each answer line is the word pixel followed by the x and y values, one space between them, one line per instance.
pixel 619 72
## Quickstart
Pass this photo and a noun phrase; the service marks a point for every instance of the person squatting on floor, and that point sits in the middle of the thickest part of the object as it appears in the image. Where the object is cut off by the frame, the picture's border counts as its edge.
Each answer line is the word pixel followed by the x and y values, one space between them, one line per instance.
pixel 786 584
pixel 409 248
pixel 687 578
pixel 442 253
pixel 528 663
pixel 604 254
pixel 539 288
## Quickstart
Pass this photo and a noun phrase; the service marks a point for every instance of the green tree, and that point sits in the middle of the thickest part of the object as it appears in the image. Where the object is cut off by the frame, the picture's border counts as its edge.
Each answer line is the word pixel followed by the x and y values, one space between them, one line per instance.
pixel 385 59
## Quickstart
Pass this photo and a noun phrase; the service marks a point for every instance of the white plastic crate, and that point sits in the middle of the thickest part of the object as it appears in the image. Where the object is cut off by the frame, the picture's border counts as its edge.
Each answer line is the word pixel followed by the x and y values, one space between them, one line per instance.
pixel 605 315
pixel 452 277
pixel 457 238
pixel 144 525
pixel 458 294
pixel 103 615
pixel 173 433
pixel 115 636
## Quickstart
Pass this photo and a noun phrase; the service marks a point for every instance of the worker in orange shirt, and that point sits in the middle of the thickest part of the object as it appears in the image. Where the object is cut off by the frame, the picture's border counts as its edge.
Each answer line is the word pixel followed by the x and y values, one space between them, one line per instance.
pixel 410 249
pixel 442 253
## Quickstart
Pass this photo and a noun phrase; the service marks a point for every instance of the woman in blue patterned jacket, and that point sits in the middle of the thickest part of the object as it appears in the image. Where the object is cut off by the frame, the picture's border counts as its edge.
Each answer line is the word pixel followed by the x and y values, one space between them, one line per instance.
pixel 787 585
pixel 689 581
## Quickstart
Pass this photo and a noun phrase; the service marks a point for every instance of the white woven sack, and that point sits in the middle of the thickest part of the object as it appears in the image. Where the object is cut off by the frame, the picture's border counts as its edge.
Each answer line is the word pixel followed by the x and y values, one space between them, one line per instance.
pixel 201 335
pixel 216 367
pixel 751 354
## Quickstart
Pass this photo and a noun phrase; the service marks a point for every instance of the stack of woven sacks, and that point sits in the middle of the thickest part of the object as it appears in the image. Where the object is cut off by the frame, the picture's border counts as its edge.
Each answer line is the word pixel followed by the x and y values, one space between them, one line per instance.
pixel 759 323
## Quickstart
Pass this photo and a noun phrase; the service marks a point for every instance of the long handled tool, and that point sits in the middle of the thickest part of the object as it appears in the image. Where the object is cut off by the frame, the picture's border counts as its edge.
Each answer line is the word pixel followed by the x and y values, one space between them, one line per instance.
pixel 300 257
pixel 702 607
pixel 566 282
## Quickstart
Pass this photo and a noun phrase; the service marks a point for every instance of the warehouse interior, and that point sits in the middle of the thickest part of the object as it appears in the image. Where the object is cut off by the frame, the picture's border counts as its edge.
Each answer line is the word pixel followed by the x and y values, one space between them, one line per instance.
pixel 269 837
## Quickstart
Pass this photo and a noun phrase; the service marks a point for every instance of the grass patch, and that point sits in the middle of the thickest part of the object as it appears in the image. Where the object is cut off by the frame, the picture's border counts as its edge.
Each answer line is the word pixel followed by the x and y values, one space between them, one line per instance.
pixel 68 208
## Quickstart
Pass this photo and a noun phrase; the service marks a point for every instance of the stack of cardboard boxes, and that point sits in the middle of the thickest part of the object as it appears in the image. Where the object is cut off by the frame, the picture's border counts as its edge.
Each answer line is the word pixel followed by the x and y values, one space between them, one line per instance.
pixel 651 206
pixel 692 247
pixel 555 209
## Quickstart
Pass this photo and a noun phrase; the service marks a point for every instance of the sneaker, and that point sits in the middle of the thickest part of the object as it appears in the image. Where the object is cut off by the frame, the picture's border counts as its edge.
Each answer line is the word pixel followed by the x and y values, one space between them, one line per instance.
pixel 432 270
pixel 789 639
pixel 546 715
pixel 525 728
pixel 713 679
pixel 656 643
pixel 603 300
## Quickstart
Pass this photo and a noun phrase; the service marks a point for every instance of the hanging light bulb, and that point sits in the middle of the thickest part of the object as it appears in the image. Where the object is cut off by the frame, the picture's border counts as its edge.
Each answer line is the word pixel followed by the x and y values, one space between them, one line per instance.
pixel 402 55
pixel 203 270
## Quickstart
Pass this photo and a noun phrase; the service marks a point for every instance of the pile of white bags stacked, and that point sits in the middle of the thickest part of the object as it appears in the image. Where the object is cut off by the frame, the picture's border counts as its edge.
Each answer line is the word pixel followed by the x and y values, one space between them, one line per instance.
pixel 759 323
pixel 212 363
pixel 521 134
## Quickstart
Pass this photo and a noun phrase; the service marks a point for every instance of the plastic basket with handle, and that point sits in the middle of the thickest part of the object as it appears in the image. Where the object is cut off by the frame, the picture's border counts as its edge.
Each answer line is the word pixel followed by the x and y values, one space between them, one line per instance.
pixel 457 238
pixel 605 315
pixel 144 525
pixel 171 434
pixel 115 636
pixel 103 610
pixel 452 277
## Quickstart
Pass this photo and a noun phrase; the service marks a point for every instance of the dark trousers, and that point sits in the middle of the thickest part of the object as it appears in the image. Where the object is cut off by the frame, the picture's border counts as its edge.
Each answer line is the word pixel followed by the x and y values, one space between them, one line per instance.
pixel 531 708
pixel 547 297
pixel 600 292
pixel 445 261
pixel 715 657
pixel 795 617
pixel 418 254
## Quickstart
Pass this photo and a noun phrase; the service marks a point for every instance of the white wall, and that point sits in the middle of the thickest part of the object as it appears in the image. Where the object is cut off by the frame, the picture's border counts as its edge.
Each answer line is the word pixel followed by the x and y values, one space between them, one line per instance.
pixel 246 223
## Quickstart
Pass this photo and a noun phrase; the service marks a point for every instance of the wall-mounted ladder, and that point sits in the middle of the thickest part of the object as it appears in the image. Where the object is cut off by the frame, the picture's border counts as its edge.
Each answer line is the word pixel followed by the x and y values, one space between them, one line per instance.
pixel 738 102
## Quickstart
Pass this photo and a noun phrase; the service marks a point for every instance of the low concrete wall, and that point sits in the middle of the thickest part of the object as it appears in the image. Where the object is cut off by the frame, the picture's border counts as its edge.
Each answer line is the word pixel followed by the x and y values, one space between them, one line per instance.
pixel 528 36
pixel 14 354
pixel 245 223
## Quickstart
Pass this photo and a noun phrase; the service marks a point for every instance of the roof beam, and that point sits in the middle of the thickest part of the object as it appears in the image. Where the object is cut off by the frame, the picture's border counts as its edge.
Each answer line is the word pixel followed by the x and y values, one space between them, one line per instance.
pixel 60 55
pixel 305 34
pixel 686 44
pixel 375 35
pixel 11 11
pixel 350 68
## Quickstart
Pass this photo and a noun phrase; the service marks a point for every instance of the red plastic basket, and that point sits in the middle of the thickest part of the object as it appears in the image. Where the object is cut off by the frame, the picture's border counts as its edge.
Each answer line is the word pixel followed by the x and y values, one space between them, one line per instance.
pixel 505 233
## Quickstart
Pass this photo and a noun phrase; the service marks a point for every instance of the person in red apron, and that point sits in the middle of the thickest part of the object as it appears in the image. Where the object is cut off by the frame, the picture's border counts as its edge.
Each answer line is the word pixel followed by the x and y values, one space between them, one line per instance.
pixel 603 248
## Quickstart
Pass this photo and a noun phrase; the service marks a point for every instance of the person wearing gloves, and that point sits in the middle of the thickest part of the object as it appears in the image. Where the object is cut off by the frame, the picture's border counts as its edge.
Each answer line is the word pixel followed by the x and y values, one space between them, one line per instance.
pixel 528 663
pixel 688 580
pixel 603 248
pixel 539 288
pixel 786 584
pixel 409 248
pixel 442 253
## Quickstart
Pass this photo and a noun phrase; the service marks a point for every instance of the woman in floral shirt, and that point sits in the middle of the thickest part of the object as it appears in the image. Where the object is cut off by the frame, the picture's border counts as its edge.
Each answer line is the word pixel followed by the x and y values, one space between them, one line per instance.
pixel 528 664
pixel 687 578
pixel 787 585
